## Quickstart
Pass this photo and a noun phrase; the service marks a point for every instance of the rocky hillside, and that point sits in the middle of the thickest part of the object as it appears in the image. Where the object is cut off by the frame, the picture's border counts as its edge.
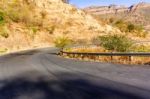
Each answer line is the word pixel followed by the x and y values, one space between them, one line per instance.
pixel 28 24
pixel 138 13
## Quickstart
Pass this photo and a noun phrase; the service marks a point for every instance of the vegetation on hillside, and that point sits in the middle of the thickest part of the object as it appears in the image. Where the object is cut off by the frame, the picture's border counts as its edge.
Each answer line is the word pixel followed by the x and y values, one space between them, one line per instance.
pixel 140 48
pixel 25 13
pixel 130 28
pixel 4 31
pixel 116 43
pixel 137 30
pixel 112 43
pixel 3 50
pixel 62 42
pixel 20 23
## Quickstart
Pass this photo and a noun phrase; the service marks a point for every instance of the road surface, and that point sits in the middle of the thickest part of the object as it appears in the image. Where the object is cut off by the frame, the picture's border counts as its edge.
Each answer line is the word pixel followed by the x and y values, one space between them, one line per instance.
pixel 40 74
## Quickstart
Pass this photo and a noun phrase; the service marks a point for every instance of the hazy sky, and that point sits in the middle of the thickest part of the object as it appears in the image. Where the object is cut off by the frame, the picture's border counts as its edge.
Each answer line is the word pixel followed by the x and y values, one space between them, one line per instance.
pixel 85 3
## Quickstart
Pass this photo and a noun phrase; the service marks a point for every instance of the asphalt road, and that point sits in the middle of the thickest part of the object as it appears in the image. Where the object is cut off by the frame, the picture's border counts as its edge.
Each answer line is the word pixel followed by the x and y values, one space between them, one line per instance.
pixel 40 74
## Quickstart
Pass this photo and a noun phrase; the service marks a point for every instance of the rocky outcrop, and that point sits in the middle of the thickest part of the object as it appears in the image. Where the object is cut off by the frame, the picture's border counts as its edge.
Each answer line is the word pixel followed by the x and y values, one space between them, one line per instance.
pixel 115 9
pixel 106 9
pixel 137 13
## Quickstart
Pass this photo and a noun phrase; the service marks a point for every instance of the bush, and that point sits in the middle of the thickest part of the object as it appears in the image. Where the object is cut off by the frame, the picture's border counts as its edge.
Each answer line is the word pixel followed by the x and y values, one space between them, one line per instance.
pixel 51 29
pixel 140 48
pixel 4 32
pixel 134 28
pixel 137 30
pixel 18 12
pixel 62 42
pixel 2 17
pixel 3 50
pixel 111 20
pixel 130 27
pixel 116 43
pixel 142 34
pixel 32 31
pixel 121 25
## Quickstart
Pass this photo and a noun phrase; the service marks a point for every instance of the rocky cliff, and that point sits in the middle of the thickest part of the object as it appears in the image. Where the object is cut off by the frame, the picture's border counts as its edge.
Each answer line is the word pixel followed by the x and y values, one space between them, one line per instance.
pixel 115 9
pixel 138 13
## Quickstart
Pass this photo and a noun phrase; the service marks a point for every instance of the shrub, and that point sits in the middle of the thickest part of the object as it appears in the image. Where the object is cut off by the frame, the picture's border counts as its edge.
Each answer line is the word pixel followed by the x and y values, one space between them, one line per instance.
pixel 139 28
pixel 142 34
pixel 18 12
pixel 2 17
pixel 34 29
pixel 111 20
pixel 116 43
pixel 51 29
pixel 43 14
pixel 121 25
pixel 62 42
pixel 14 16
pixel 3 50
pixel 130 27
pixel 140 48
pixel 134 28
pixel 4 32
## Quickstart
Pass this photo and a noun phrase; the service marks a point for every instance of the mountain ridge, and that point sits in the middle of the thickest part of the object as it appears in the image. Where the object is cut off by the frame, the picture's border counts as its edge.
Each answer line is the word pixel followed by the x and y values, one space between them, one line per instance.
pixel 137 13
pixel 115 8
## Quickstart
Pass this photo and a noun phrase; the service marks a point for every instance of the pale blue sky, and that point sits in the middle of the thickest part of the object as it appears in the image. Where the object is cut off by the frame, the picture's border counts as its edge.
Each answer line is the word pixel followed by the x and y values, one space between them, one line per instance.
pixel 85 3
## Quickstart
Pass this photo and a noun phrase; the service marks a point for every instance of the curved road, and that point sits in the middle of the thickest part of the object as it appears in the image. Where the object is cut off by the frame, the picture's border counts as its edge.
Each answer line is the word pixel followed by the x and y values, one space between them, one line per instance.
pixel 40 74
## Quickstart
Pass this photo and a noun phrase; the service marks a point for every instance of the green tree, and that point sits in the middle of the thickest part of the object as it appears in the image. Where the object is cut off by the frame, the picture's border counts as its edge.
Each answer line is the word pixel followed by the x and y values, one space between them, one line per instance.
pixel 115 43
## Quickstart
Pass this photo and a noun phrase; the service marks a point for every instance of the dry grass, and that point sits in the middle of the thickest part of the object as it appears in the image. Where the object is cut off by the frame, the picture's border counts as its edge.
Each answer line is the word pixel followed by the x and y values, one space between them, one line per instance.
pixel 87 49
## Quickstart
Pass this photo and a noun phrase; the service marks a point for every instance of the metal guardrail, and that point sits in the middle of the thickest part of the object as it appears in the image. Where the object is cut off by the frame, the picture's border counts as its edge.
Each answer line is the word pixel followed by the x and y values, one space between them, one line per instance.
pixel 108 54
pixel 111 54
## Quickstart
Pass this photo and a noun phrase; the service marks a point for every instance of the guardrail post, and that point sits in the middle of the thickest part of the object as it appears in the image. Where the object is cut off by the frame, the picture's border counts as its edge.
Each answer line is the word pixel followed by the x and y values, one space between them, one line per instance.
pixel 61 53
pixel 130 59
pixel 73 55
pixel 81 56
pixel 95 56
pixel 111 58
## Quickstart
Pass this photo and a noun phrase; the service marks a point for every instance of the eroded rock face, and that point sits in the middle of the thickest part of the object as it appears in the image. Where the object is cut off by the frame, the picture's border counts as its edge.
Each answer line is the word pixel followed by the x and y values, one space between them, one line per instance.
pixel 115 9
pixel 137 13
pixel 106 10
